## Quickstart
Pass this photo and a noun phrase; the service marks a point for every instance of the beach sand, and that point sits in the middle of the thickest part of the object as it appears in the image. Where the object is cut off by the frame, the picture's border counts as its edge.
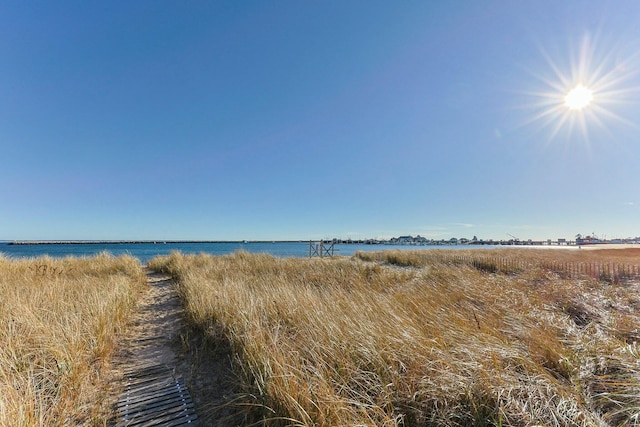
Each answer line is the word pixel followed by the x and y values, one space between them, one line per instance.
pixel 612 246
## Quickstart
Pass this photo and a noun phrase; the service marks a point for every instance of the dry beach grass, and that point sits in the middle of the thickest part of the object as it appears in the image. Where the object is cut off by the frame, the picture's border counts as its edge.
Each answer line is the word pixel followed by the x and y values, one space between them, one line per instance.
pixel 420 338
pixel 59 324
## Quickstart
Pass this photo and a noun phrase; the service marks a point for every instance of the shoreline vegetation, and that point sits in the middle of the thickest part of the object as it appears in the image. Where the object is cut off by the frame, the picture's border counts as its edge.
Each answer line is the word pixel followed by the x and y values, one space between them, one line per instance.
pixel 479 337
pixel 60 323
pixel 407 338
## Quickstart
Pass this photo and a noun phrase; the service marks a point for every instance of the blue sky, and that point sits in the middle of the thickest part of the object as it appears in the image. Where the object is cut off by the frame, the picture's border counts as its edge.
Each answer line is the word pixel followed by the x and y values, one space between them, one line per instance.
pixel 296 120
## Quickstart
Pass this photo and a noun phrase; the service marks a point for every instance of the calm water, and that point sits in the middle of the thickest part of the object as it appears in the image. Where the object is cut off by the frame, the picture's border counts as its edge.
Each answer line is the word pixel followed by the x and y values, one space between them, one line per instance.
pixel 145 251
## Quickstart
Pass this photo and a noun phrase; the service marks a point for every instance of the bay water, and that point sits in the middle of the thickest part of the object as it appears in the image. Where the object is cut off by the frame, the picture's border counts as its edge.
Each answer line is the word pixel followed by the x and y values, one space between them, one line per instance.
pixel 148 250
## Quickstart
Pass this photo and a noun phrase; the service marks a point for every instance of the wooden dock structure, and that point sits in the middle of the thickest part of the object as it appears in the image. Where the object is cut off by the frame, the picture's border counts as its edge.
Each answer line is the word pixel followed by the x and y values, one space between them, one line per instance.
pixel 321 249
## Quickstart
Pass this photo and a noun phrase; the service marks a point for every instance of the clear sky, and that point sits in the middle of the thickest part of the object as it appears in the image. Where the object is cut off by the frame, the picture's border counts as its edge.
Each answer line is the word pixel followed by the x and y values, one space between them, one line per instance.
pixel 228 120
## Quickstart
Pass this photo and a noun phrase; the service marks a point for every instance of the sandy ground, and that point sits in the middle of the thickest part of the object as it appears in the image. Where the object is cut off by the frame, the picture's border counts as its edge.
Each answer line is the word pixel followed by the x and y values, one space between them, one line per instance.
pixel 595 247
pixel 611 246
pixel 158 334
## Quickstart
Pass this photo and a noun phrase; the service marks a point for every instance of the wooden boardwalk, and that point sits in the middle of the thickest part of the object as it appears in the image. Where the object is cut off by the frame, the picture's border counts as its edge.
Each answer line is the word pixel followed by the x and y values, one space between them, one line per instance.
pixel 153 392
pixel 154 397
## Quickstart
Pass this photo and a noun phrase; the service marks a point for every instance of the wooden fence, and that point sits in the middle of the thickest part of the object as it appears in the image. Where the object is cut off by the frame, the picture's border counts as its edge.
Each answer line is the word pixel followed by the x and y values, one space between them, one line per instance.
pixel 607 271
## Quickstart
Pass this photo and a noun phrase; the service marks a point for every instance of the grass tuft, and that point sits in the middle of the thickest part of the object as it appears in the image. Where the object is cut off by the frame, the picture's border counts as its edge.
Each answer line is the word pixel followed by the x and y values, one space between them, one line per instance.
pixel 59 321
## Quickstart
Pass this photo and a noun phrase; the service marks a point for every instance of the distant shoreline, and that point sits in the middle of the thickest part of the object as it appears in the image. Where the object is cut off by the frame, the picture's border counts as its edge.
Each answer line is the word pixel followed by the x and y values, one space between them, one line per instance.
pixel 139 242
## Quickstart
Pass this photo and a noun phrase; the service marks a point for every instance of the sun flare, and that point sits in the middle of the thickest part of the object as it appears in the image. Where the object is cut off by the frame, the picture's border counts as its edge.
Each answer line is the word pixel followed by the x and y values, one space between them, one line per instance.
pixel 578 98
pixel 582 91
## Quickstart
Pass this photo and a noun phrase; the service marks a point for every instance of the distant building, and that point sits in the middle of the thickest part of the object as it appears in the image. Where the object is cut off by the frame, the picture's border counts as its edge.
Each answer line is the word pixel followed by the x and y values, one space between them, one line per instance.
pixel 587 240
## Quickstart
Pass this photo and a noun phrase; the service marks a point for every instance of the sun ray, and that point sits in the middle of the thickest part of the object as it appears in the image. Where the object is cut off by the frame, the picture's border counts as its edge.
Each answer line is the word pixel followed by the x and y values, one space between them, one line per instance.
pixel 611 115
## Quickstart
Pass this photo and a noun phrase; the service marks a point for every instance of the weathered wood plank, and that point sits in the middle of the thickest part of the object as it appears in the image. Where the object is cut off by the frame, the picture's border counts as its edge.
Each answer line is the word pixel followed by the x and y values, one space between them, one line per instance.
pixel 164 408
pixel 143 386
pixel 150 392
pixel 146 371
pixel 176 413
pixel 162 396
pixel 141 382
pixel 154 397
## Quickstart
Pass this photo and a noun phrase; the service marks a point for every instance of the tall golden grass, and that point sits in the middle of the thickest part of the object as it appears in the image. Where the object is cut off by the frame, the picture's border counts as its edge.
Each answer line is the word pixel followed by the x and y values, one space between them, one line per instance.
pixel 344 341
pixel 59 321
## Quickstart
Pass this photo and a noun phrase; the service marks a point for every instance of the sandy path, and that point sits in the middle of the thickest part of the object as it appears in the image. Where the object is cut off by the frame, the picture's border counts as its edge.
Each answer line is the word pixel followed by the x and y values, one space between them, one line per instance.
pixel 155 326
pixel 158 335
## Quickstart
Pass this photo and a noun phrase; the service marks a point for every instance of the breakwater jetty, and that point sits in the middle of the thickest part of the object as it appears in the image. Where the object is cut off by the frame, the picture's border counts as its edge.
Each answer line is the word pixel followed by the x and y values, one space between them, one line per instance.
pixel 96 242
pixel 137 242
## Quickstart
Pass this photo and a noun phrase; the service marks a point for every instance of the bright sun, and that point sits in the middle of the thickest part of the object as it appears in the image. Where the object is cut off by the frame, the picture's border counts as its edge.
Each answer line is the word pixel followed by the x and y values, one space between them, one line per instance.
pixel 582 89
pixel 578 98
